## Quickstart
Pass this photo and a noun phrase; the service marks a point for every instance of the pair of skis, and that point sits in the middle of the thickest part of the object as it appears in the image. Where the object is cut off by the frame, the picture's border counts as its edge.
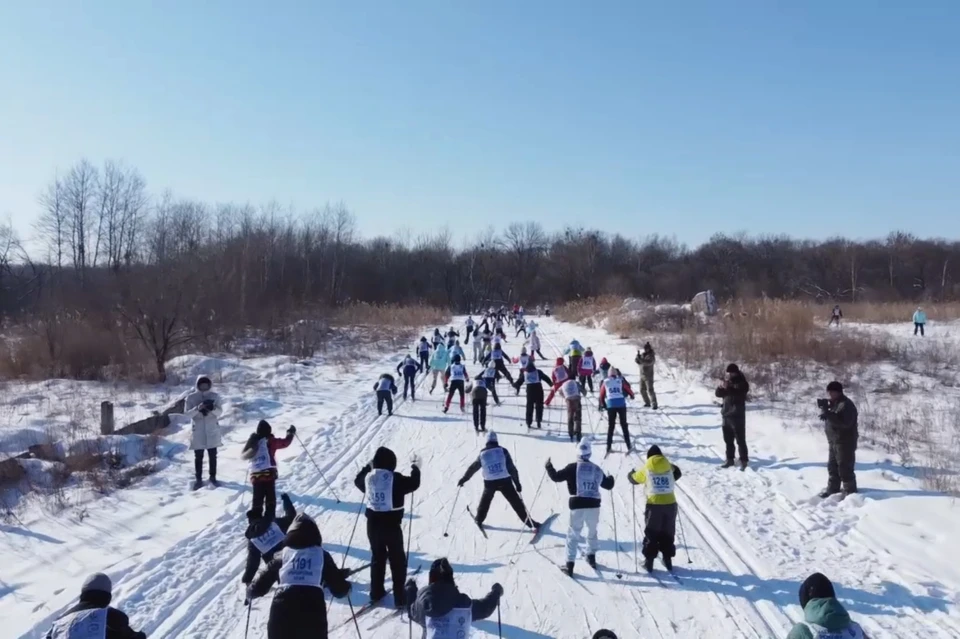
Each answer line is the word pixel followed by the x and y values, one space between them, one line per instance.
pixel 373 605
pixel 537 534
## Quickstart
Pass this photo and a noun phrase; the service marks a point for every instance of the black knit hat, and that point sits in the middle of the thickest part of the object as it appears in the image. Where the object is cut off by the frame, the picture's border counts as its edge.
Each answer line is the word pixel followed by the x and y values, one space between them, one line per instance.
pixel 441 571
pixel 653 450
pixel 604 634
pixel 733 368
pixel 834 387
pixel 263 428
pixel 816 586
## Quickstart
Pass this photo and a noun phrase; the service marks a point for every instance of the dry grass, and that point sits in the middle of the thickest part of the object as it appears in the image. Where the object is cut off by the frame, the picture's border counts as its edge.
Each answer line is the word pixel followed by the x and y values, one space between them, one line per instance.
pixel 581 310
pixel 388 316
pixel 894 312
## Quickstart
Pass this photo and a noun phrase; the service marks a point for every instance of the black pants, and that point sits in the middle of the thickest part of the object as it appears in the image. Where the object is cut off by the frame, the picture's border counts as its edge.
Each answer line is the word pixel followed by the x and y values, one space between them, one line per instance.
pixel 456 386
pixel 534 404
pixel 386 545
pixel 735 432
pixel 660 529
pixel 384 396
pixel 492 388
pixel 198 463
pixel 503 370
pixel 509 491
pixel 425 362
pixel 537 351
pixel 916 328
pixel 469 332
pixel 480 415
pixel 585 381
pixel 574 418
pixel 612 414
pixel 265 490
pixel 842 462
pixel 521 330
pixel 409 381
pixel 834 320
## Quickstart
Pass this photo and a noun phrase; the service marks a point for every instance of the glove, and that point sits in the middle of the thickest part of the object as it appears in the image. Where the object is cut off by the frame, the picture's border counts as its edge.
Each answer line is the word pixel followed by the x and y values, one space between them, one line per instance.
pixel 249 595
pixel 631 479
pixel 395 391
pixel 460 484
pixel 519 488
pixel 415 460
pixel 209 404
pixel 497 589
pixel 292 430
pixel 204 411
pixel 548 464
pixel 285 498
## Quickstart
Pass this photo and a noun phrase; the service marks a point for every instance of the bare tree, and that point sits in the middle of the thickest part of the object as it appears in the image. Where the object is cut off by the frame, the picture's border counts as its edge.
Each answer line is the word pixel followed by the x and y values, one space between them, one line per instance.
pixel 80 187
pixel 51 225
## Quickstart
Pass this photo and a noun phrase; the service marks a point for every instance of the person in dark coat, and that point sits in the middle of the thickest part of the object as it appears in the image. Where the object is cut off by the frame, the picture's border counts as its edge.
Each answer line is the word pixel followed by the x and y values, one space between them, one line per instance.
pixel 302 570
pixel 441 607
pixel 93 616
pixel 385 490
pixel 386 388
pixel 841 426
pixel 647 360
pixel 265 537
pixel 532 378
pixel 409 368
pixel 261 450
pixel 823 614
pixel 499 476
pixel 733 390
pixel 478 397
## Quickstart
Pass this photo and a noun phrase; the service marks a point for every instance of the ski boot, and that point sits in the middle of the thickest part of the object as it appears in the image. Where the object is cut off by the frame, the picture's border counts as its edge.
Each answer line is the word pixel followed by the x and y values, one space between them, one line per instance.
pixel 568 569
pixel 655 407
pixel 197 484
pixel 668 563
pixel 743 464
pixel 648 564
pixel 727 464
pixel 828 491
pixel 214 482
pixel 446 408
pixel 592 561
pixel 647 405
pixel 847 490
pixel 539 425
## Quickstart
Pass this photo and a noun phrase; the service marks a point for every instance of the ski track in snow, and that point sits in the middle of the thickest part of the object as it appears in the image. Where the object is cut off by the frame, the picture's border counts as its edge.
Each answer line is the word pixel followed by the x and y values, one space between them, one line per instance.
pixel 750 544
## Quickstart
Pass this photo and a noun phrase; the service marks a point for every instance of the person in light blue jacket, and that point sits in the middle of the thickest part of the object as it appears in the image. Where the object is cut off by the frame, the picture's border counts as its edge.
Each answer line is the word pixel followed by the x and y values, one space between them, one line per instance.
pixel 438 364
pixel 919 319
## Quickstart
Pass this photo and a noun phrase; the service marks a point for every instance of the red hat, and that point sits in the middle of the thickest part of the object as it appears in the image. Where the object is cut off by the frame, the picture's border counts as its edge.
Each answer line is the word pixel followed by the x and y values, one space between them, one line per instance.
pixel 559 361
pixel 603 361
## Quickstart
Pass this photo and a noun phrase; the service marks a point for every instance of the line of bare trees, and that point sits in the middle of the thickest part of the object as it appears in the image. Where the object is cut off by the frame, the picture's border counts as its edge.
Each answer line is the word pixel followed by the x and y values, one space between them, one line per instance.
pixel 168 271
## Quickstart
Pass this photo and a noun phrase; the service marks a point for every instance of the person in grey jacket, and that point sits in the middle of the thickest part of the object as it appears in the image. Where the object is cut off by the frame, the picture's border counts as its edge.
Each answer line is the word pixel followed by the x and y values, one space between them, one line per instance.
pixel 93 614
pixel 841 420
pixel 442 609
pixel 204 408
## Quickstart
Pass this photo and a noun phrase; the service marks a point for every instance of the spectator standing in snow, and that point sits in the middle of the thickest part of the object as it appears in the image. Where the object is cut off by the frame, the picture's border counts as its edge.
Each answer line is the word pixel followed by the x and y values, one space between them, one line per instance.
pixel 261 450
pixel 835 316
pixel 646 360
pixel 265 537
pixel 442 609
pixel 733 391
pixel 303 570
pixel 409 368
pixel 92 616
pixel 204 408
pixel 823 614
pixel 840 418
pixel 919 321
pixel 658 477
pixel 386 388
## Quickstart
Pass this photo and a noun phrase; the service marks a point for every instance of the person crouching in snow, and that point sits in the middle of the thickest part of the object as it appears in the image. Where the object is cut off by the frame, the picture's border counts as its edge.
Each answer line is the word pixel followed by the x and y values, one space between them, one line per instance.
pixel 438 364
pixel 572 391
pixel 265 537
pixel 442 609
pixel 560 374
pixel 587 369
pixel 303 569
pixel 409 368
pixel 584 480
pixel 261 449
pixel 386 388
pixel 658 477
pixel 455 379
pixel 204 408
pixel 92 616
pixel 823 614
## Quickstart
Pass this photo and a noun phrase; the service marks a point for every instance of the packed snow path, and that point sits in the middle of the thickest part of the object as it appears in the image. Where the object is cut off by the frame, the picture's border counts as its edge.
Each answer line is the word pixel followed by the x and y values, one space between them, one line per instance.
pixel 752 536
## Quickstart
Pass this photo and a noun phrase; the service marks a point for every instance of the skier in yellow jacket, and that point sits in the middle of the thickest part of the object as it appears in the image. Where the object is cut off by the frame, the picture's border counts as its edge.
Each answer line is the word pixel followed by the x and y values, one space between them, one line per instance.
pixel 658 477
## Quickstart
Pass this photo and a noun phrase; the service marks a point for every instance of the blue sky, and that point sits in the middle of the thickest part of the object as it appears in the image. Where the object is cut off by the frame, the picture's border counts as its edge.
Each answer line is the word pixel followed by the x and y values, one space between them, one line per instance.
pixel 684 119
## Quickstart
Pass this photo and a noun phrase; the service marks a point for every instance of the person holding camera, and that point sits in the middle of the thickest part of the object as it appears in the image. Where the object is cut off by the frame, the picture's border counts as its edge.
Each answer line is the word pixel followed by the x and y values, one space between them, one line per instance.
pixel 203 407
pixel 733 391
pixel 840 417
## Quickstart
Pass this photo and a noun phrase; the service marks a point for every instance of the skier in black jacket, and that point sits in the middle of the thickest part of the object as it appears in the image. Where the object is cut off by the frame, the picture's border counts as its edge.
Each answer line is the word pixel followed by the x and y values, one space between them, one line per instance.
pixel 584 481
pixel 532 377
pixel 303 568
pixel 499 475
pixel 265 536
pixel 385 489
pixel 409 368
pixel 442 609
pixel 92 612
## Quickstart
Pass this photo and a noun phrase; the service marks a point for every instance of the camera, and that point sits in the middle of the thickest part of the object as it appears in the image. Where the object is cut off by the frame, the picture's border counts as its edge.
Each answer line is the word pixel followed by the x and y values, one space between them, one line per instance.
pixel 823 404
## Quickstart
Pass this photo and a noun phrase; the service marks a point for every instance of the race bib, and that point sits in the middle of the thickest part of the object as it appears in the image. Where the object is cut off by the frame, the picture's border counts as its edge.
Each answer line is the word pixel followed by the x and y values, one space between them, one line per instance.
pixel 383 385
pixel 457 372
pixel 660 483
pixel 268 540
pixel 380 490
pixel 453 625
pixel 86 624
pixel 571 389
pixel 589 476
pixel 560 373
pixel 614 388
pixel 853 631
pixel 261 460
pixel 497 354
pixel 532 377
pixel 302 567
pixel 493 462
pixel 586 363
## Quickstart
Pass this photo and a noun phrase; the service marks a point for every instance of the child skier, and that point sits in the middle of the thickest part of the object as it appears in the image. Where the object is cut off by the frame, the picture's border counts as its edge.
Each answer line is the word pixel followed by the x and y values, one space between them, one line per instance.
pixel 409 368
pixel 456 349
pixel 498 356
pixel 265 537
pixel 572 391
pixel 442 609
pixel 658 477
pixel 478 398
pixel 532 378
pixel 490 377
pixel 438 364
pixel 471 325
pixel 584 480
pixel 604 369
pixel 455 379
pixel 261 449
pixel 587 369
pixel 386 388
pixel 612 397
pixel 535 343
pixel 560 375
pixel 423 350
pixel 575 352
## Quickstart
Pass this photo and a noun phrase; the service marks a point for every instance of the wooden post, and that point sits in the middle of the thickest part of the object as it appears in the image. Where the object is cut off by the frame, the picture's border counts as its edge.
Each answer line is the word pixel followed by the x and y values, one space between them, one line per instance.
pixel 106 418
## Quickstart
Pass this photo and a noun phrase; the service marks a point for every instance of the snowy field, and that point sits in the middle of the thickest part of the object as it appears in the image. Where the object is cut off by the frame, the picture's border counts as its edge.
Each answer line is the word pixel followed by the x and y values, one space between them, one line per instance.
pixel 176 556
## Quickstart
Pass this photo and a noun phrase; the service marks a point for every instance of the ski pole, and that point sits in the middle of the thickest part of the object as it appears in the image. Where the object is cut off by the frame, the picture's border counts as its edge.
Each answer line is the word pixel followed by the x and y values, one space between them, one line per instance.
pixel 616 541
pixel 410 528
pixel 356 623
pixel 317 467
pixel 683 538
pixel 499 625
pixel 249 608
pixel 529 518
pixel 636 560
pixel 349 546
pixel 447 527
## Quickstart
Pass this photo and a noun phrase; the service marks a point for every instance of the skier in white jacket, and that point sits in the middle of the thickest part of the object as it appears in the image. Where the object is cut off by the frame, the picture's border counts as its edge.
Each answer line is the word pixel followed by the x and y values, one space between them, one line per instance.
pixel 204 407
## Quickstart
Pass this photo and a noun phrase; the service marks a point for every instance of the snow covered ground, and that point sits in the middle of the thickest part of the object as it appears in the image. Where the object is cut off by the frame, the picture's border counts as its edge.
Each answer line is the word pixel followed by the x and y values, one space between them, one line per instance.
pixel 176 556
